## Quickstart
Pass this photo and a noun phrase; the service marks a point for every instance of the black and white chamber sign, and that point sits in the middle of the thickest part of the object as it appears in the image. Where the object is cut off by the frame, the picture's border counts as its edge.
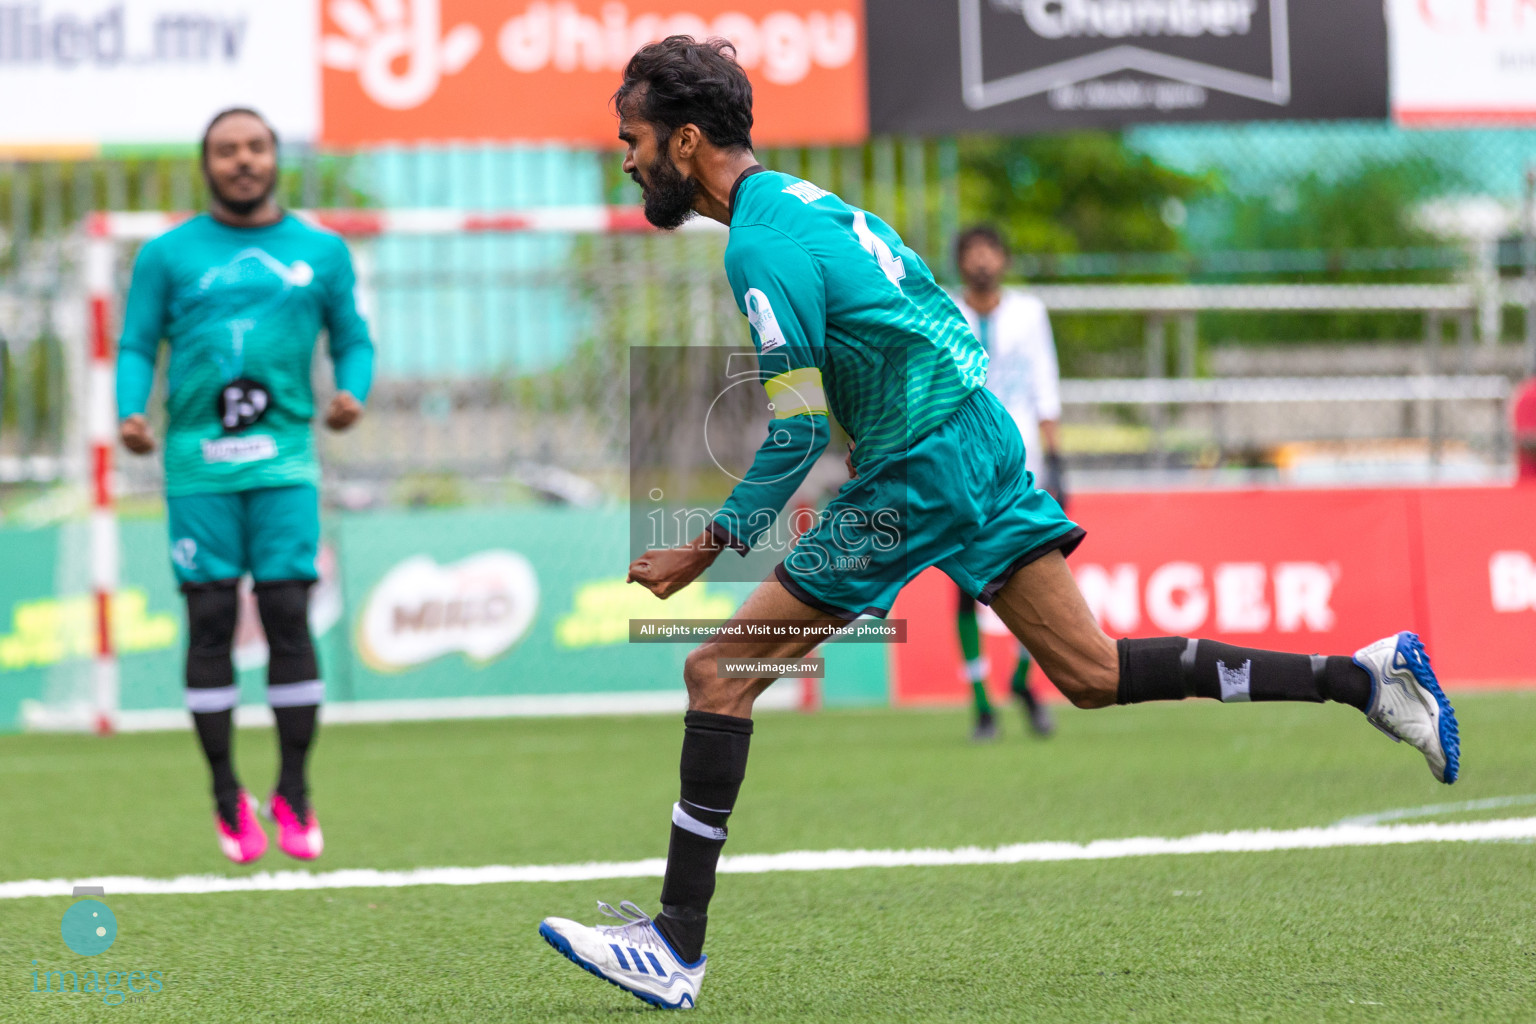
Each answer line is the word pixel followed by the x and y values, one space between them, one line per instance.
pixel 939 66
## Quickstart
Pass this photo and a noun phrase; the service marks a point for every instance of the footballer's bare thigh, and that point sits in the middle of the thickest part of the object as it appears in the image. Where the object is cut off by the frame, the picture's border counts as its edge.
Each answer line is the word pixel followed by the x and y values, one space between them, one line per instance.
pixel 1042 606
pixel 732 695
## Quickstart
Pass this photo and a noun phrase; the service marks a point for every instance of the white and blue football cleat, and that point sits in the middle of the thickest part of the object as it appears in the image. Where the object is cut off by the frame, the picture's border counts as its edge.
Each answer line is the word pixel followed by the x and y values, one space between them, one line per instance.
pixel 1408 704
pixel 634 955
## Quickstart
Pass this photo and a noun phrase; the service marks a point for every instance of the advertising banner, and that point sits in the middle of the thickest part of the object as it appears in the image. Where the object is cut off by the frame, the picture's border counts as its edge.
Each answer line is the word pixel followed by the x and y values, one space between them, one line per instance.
pixel 514 612
pixel 425 70
pixel 85 73
pixel 486 604
pixel 945 66
pixel 477 604
pixel 48 631
pixel 1463 62
pixel 417 615
pixel 1480 565
pixel 1303 571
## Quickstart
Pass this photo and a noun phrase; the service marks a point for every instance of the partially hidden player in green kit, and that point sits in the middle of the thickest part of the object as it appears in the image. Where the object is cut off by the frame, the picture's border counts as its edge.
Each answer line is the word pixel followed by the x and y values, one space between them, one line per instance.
pixel 849 324
pixel 240 295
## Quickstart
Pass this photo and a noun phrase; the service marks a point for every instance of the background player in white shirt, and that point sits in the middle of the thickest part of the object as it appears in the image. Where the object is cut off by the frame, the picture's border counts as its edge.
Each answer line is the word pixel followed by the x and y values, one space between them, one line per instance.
pixel 1015 330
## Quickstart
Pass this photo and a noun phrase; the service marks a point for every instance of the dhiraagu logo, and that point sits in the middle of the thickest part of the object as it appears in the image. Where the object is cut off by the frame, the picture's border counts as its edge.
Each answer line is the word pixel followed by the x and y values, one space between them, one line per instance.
pixel 89 928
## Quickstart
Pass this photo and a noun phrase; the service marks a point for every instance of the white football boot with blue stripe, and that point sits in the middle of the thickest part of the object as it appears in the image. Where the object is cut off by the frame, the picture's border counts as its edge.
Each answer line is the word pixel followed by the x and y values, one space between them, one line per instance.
pixel 1408 704
pixel 634 955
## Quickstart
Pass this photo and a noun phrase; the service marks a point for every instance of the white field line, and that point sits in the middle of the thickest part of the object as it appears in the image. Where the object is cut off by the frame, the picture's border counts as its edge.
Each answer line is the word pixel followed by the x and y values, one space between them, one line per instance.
pixel 81 718
pixel 1434 810
pixel 806 860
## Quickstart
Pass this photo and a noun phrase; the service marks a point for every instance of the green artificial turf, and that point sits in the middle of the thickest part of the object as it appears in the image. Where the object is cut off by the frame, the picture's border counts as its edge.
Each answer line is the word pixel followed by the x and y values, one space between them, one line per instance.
pixel 1433 932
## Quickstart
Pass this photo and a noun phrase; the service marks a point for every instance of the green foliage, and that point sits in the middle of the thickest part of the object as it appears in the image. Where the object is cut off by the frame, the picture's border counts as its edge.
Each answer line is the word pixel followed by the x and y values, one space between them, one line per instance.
pixel 1079 192
pixel 48 197
pixel 1082 192
pixel 1370 207
pixel 429 490
pixel 32 396
pixel 1087 192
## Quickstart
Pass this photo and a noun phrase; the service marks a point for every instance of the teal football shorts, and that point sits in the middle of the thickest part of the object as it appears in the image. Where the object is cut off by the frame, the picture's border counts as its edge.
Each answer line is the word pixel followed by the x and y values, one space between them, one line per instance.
pixel 273 533
pixel 958 498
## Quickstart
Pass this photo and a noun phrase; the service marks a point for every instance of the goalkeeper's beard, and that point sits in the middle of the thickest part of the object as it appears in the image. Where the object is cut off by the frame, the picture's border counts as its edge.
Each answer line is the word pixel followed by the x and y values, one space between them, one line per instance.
pixel 984 282
pixel 242 207
pixel 669 196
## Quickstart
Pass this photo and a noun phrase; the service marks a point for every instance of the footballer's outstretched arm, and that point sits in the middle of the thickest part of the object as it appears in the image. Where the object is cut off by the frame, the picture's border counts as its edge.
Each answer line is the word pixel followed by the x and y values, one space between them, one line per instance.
pixel 351 348
pixel 780 289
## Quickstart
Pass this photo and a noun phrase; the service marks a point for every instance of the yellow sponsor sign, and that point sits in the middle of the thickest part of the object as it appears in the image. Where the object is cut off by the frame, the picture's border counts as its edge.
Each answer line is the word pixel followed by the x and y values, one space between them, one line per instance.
pixel 601 611
pixel 51 629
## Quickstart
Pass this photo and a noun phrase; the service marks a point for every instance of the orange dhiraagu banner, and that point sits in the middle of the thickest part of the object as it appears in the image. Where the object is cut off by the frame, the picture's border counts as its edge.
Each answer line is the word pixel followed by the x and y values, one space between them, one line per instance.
pixel 437 70
pixel 1306 571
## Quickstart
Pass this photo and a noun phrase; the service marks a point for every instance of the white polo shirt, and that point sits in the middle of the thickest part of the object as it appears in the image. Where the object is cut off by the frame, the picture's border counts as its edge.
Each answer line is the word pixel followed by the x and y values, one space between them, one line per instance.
pixel 1022 371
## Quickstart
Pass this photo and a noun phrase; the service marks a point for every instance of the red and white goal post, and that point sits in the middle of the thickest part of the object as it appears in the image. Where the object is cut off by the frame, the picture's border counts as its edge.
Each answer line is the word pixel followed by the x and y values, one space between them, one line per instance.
pixel 105 235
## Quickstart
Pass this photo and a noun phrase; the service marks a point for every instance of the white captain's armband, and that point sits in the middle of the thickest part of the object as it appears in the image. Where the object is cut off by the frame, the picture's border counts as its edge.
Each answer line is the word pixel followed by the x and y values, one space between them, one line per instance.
pixel 797 393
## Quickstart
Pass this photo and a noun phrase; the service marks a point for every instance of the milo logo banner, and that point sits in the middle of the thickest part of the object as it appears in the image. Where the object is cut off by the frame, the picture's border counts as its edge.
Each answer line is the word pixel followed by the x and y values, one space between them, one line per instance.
pixel 526 612
pixel 940 66
pixel 421 611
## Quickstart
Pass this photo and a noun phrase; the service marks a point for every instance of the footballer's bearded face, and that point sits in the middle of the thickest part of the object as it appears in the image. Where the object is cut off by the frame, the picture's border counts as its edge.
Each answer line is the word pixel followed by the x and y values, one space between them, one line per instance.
pixel 982 266
pixel 668 193
pixel 241 163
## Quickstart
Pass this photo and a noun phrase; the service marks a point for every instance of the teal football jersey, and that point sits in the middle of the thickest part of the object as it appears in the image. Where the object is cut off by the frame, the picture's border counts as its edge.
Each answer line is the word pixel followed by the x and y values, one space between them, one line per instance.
pixel 241 309
pixel 846 320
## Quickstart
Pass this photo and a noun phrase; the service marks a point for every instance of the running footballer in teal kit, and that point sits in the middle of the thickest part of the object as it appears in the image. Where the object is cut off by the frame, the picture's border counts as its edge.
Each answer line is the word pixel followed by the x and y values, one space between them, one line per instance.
pixel 849 324
pixel 239 295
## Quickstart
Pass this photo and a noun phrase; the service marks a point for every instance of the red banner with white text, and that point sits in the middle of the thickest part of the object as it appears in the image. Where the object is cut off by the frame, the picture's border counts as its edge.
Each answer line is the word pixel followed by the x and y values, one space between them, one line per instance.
pixel 1305 571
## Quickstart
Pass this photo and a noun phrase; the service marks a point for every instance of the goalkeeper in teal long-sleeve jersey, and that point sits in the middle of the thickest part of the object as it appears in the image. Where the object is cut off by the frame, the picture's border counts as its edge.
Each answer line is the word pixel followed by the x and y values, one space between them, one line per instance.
pixel 240 295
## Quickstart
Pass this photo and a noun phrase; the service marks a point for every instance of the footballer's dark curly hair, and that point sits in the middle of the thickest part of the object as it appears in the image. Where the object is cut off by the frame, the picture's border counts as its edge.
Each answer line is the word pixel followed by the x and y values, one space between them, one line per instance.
pixel 983 234
pixel 682 81
pixel 231 112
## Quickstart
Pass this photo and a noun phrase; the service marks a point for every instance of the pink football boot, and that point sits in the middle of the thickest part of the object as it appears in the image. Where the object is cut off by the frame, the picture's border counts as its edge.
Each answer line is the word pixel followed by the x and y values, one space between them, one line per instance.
pixel 301 839
pixel 247 843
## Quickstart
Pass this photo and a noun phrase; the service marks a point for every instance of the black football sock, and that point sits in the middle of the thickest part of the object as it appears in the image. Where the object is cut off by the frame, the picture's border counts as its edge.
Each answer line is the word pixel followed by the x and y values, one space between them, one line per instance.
pixel 1341 680
pixel 1173 668
pixel 294 687
pixel 214 731
pixel 713 764
pixel 211 692
pixel 295 733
